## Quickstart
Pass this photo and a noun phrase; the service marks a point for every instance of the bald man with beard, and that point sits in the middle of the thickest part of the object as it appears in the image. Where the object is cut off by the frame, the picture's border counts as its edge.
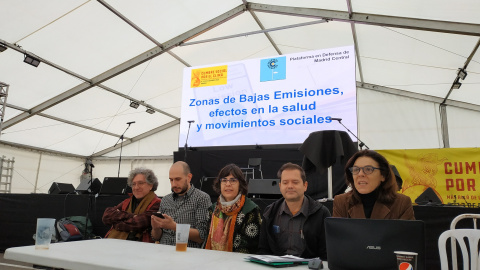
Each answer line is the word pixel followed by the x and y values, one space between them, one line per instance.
pixel 185 205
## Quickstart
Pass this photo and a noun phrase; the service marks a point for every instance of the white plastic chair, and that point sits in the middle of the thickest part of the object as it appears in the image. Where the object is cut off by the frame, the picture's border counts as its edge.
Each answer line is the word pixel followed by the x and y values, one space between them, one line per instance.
pixel 453 225
pixel 464 216
pixel 465 238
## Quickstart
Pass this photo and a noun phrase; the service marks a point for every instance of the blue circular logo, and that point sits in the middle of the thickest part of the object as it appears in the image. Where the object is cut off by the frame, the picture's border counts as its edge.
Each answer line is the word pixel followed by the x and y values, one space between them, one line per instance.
pixel 272 64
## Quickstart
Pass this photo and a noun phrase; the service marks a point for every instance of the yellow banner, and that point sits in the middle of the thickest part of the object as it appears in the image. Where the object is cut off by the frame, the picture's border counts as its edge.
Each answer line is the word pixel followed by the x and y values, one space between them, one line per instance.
pixel 209 76
pixel 454 174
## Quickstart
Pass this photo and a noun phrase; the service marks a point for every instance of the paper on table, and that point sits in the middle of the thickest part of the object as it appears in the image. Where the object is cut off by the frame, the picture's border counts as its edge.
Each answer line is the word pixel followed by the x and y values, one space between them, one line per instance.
pixel 275 259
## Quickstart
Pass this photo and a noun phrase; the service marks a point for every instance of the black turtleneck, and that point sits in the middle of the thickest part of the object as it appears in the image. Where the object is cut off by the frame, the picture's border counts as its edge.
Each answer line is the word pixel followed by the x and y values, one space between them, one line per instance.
pixel 135 203
pixel 133 235
pixel 368 201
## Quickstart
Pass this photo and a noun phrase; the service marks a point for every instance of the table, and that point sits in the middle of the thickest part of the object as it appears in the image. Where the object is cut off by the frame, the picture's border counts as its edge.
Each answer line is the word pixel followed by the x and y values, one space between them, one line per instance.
pixel 18 231
pixel 105 254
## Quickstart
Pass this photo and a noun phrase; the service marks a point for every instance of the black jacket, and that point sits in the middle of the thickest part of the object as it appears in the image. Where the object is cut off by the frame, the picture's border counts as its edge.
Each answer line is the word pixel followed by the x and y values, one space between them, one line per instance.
pixel 313 229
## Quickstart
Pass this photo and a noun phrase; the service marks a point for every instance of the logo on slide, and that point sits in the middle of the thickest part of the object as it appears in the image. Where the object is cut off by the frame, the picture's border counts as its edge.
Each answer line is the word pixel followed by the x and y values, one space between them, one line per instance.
pixel 273 69
pixel 405 266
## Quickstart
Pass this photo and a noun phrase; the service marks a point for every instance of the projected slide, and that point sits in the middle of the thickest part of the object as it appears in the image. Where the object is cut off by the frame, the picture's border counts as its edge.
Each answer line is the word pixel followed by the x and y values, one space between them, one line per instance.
pixel 269 101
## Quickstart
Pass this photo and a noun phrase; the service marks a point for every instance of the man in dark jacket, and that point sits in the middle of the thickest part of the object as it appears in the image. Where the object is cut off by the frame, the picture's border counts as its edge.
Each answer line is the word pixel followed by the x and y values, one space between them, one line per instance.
pixel 294 224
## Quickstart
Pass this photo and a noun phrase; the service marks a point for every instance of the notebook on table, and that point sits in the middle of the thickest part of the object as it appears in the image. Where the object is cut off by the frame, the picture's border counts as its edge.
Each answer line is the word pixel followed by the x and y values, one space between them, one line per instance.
pixel 278 261
pixel 358 244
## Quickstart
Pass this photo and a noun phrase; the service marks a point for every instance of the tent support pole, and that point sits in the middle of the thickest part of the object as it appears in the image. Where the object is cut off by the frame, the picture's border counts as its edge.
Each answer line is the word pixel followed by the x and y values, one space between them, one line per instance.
pixel 38 173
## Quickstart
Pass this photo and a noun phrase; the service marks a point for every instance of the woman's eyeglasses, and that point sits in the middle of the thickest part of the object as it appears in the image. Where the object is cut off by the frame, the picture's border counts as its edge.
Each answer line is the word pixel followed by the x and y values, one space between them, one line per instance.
pixel 140 184
pixel 231 181
pixel 366 170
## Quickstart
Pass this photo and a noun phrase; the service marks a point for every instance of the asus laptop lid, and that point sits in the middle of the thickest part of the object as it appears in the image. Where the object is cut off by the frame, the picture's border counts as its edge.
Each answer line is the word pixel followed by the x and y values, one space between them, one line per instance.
pixel 357 244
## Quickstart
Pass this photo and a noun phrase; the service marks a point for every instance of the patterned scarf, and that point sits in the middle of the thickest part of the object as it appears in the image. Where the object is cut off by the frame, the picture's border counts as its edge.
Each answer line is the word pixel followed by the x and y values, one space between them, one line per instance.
pixel 141 208
pixel 222 226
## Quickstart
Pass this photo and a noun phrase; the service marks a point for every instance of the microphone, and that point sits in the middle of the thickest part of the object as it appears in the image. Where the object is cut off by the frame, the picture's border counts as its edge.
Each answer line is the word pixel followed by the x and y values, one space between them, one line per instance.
pixel 89 162
pixel 129 123
pixel 191 121
pixel 467 203
pixel 338 119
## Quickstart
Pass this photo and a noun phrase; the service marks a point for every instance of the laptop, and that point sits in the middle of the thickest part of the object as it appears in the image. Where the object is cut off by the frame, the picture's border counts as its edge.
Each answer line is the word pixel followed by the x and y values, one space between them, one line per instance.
pixel 115 186
pixel 361 244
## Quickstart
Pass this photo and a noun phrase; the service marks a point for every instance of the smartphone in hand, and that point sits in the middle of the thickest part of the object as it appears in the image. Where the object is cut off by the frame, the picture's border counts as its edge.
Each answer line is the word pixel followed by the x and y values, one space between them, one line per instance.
pixel 158 215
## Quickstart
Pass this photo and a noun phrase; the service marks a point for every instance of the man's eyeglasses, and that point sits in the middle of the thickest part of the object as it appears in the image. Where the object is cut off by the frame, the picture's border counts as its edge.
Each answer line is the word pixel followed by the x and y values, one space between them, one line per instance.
pixel 229 180
pixel 366 170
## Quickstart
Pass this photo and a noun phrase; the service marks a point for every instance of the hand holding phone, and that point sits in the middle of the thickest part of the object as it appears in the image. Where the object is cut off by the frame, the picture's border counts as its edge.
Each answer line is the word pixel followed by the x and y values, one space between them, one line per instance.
pixel 158 215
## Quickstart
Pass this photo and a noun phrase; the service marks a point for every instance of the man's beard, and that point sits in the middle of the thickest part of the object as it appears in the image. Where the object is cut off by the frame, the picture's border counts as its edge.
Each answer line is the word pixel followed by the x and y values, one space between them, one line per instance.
pixel 184 189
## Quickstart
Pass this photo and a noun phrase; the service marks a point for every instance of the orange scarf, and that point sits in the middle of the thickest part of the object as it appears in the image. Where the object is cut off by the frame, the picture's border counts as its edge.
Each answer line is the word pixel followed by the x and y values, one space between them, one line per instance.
pixel 222 225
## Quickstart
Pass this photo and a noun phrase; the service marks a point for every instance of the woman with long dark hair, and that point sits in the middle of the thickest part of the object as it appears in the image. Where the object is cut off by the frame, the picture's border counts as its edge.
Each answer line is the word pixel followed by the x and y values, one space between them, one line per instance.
pixel 373 191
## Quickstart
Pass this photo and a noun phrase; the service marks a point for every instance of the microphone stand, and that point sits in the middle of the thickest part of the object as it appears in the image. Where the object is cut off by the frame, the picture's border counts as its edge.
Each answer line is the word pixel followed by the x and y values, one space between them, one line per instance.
pixel 121 147
pixel 186 145
pixel 362 144
pixel 89 190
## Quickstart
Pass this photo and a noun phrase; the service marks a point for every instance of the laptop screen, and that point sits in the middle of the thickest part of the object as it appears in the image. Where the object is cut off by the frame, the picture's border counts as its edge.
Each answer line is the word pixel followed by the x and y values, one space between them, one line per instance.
pixel 357 244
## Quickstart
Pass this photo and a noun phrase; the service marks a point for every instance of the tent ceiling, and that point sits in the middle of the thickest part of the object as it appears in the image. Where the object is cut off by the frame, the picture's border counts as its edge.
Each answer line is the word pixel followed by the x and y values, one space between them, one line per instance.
pixel 98 55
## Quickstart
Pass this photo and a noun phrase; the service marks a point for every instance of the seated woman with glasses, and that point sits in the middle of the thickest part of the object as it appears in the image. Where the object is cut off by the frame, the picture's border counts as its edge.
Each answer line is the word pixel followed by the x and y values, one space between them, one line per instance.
pixel 234 219
pixel 130 219
pixel 373 191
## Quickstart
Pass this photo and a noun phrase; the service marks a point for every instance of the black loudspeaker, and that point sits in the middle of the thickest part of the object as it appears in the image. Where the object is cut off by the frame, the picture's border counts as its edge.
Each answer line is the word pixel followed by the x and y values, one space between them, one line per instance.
pixel 115 186
pixel 206 185
pixel 89 187
pixel 428 197
pixel 61 188
pixel 264 188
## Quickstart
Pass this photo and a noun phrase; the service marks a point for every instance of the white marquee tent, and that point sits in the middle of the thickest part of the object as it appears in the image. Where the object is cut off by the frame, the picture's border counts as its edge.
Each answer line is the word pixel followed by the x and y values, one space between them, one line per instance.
pixel 98 56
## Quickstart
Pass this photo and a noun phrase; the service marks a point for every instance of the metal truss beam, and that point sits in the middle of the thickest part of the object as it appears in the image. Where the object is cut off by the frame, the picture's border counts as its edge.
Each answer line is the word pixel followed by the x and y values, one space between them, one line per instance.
pixel 3 103
pixel 141 31
pixel 418 96
pixel 127 65
pixel 66 121
pixel 372 19
pixel 40 150
pixel 260 24
pixel 137 138
pixel 72 92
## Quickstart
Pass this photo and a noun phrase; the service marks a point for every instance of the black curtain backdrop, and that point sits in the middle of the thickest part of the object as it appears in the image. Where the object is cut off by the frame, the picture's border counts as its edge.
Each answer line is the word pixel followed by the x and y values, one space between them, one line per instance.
pixel 19 213
pixel 207 163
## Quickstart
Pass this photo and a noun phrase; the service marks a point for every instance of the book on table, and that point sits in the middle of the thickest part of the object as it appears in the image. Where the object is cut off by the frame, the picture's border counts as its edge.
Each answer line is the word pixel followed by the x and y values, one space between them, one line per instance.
pixel 277 261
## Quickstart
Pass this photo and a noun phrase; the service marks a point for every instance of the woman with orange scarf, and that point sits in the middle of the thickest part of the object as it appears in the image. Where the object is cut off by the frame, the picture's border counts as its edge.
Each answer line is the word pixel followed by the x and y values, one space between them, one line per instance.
pixel 235 219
